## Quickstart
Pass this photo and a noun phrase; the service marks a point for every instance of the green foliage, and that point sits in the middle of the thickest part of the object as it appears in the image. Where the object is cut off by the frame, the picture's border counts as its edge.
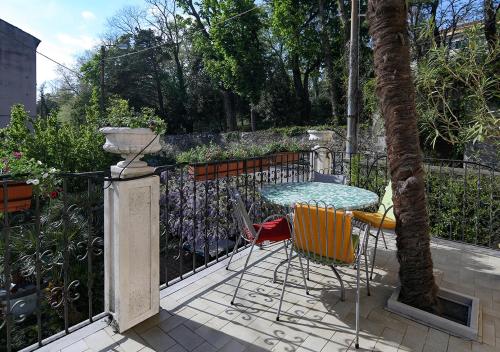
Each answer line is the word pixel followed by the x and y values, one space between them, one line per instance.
pixel 119 114
pixel 457 90
pixel 231 50
pixel 16 134
pixel 370 102
pixel 43 178
pixel 461 204
pixel 291 22
pixel 213 152
pixel 52 243
pixel 57 144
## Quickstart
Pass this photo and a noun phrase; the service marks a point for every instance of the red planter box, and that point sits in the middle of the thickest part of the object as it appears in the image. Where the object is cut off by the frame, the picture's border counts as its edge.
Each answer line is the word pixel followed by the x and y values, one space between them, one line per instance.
pixel 18 196
pixel 211 171
pixel 285 157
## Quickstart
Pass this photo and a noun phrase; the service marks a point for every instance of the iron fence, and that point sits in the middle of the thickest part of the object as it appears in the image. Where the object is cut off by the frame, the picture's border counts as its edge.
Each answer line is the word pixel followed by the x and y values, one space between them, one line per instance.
pixel 197 227
pixel 51 253
pixel 50 258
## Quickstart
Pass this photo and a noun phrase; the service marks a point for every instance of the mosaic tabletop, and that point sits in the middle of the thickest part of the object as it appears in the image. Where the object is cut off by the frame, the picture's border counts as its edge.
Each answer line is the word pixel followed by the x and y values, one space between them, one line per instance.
pixel 340 196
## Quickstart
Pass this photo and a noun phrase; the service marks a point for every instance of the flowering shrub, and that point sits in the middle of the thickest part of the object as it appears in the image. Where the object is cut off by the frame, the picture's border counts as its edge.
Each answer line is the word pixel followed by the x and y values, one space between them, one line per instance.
pixel 202 212
pixel 18 166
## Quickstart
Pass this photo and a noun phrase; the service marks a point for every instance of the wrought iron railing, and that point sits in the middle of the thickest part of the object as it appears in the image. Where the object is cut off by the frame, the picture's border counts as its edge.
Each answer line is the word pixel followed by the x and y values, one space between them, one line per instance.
pixel 53 250
pixel 198 229
pixel 51 259
pixel 197 225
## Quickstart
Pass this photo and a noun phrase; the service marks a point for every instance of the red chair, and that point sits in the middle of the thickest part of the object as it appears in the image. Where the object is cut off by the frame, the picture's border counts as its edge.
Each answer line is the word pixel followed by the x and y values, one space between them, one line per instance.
pixel 275 228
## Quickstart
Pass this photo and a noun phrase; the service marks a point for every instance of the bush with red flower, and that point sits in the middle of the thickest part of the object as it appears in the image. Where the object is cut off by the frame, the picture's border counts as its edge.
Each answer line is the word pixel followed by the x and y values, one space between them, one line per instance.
pixel 43 178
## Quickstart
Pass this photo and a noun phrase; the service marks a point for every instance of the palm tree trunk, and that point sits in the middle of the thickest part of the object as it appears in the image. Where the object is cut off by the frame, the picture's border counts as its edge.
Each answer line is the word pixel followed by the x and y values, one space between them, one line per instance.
pixel 395 91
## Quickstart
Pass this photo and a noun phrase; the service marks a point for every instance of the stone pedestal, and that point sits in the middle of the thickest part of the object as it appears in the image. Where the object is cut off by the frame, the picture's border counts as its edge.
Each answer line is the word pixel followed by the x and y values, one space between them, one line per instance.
pixel 131 243
pixel 322 158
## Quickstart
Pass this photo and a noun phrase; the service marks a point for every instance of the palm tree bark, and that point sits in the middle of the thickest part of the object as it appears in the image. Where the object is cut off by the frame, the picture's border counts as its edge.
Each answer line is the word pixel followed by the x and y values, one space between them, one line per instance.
pixel 395 91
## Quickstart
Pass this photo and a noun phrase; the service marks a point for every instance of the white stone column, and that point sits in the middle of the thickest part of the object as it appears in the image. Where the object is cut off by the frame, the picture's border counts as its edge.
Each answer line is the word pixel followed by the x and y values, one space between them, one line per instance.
pixel 321 161
pixel 131 249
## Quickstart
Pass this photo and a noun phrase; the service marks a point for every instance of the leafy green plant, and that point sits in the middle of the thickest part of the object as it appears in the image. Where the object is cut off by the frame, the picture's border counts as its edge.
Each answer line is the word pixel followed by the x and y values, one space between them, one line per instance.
pixel 43 178
pixel 56 144
pixel 213 152
pixel 119 114
pixel 203 153
pixel 457 90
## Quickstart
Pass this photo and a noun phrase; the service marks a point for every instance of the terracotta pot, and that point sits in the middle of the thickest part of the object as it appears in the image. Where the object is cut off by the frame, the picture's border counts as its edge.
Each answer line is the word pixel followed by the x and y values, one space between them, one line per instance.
pixel 18 196
pixel 212 171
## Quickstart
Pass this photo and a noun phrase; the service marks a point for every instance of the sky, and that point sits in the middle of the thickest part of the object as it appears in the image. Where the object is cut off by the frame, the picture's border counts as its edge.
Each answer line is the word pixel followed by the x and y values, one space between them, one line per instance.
pixel 66 28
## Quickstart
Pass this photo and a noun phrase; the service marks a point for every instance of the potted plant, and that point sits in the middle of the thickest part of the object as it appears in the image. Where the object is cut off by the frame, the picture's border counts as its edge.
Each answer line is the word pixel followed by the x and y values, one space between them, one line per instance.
pixel 208 162
pixel 284 152
pixel 133 135
pixel 26 176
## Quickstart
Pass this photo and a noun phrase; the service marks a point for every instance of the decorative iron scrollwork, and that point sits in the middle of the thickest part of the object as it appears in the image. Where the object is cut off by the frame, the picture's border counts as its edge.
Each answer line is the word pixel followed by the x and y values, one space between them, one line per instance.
pixel 59 291
pixel 96 247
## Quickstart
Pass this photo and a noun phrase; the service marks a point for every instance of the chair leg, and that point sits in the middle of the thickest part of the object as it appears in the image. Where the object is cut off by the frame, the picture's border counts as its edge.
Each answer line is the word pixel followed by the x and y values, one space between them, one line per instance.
pixel 383 237
pixel 342 290
pixel 234 251
pixel 242 273
pixel 303 275
pixel 364 249
pixel 281 263
pixel 366 262
pixel 284 284
pixel 357 306
pixel 308 269
pixel 374 253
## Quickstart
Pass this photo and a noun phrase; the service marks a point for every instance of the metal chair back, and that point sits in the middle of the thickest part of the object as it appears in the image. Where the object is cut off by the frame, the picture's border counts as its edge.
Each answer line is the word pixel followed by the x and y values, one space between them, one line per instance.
pixel 322 233
pixel 242 217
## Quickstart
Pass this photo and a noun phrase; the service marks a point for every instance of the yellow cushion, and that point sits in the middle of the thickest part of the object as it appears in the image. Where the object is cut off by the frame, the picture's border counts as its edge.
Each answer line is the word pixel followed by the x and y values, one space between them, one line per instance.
pixel 314 226
pixel 374 219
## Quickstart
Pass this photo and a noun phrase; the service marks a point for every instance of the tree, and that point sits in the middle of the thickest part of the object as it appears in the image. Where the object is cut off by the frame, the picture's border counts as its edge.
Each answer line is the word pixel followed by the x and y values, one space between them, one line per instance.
pixel 167 20
pixel 457 95
pixel 396 94
pixel 295 21
pixel 228 42
pixel 490 20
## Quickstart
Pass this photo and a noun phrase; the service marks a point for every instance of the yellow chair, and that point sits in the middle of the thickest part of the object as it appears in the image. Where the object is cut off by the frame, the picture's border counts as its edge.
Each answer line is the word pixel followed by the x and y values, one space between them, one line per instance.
pixel 383 219
pixel 323 235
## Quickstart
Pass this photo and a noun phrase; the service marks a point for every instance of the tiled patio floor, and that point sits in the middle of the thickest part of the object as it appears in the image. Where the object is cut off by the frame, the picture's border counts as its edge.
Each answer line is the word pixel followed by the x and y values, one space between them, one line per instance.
pixel 198 316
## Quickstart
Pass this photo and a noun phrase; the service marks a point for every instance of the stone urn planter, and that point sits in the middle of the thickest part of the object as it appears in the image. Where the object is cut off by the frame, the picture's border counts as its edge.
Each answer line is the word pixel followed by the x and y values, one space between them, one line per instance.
pixel 321 162
pixel 18 196
pixel 321 137
pixel 132 144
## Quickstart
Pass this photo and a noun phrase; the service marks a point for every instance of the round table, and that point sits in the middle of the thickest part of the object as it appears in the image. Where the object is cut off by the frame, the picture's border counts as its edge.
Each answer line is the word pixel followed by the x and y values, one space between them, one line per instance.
pixel 337 195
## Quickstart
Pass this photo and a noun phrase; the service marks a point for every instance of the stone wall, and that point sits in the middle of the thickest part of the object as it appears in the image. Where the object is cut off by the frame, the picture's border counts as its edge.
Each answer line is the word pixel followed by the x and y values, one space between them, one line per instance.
pixel 174 144
pixel 486 153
